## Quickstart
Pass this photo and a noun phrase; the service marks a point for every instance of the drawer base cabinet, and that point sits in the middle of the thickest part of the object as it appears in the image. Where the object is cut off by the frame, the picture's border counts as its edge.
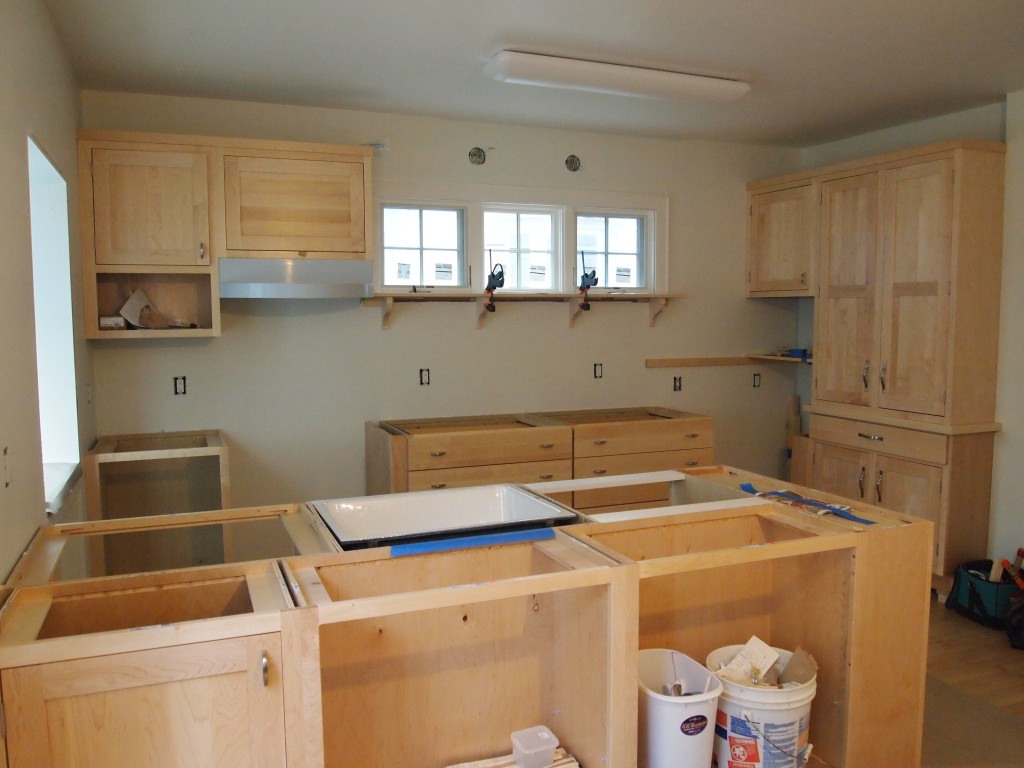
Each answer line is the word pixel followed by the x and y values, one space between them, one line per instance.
pixel 381 657
pixel 421 454
pixel 943 478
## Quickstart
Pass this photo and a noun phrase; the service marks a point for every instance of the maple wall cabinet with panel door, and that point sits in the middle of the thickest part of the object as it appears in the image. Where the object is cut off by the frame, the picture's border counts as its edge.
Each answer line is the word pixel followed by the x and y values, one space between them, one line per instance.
pixel 290 200
pixel 782 239
pixel 145 222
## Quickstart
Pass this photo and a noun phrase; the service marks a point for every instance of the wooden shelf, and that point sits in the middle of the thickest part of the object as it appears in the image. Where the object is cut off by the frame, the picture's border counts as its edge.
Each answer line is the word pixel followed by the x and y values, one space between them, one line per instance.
pixel 386 302
pixel 703 362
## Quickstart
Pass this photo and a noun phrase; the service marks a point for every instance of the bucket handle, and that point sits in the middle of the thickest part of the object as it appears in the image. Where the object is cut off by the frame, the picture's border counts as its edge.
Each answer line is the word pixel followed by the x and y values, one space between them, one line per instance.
pixel 801 758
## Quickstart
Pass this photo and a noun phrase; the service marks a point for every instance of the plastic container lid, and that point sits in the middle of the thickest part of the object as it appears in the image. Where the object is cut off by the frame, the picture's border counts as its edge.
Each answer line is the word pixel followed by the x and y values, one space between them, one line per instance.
pixel 534 747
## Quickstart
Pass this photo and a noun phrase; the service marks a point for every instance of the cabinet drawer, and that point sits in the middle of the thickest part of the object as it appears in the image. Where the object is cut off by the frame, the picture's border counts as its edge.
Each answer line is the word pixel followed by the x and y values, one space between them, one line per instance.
pixel 642 437
pixel 628 464
pixel 497 446
pixel 893 441
pixel 521 472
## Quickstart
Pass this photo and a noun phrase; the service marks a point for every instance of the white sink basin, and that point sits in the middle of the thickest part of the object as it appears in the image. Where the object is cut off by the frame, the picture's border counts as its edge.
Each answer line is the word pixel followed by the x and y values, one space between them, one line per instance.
pixel 390 518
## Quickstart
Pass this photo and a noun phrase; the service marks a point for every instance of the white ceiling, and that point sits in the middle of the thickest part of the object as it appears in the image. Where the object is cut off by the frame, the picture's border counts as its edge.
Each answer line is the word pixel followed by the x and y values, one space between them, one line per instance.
pixel 819 69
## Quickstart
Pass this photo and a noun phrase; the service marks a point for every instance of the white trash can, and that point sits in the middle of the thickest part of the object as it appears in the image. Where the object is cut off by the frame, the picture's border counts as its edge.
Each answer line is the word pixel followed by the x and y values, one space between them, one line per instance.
pixel 675 731
pixel 759 726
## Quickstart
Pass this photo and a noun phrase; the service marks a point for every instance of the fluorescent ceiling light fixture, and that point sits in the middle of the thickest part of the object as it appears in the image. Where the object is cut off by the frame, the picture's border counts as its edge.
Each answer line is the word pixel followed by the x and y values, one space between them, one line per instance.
pixel 617 79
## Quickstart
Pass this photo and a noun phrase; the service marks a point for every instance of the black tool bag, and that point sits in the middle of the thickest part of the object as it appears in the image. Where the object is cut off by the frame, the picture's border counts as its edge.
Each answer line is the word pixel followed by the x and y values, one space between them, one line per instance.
pixel 1015 623
pixel 977 598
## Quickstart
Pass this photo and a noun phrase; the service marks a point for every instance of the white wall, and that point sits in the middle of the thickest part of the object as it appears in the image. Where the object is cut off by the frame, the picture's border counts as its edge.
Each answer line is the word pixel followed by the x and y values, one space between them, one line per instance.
pixel 1007 532
pixel 291 383
pixel 39 98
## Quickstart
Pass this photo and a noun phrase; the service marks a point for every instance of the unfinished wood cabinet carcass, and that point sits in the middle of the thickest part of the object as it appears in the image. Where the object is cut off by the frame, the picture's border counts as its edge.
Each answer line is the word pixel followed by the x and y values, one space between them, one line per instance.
pixel 151 670
pixel 906 334
pixel 782 240
pixel 145 224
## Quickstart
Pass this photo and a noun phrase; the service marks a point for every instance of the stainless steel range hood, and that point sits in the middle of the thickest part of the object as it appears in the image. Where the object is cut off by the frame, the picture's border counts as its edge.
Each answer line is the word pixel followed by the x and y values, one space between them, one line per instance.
pixel 295 278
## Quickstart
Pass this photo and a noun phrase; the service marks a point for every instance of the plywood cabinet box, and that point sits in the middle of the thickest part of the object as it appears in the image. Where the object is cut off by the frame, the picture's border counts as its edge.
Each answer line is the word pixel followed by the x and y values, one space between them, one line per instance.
pixel 158 211
pixel 782 244
pixel 418 454
pixel 906 333
pixel 425 658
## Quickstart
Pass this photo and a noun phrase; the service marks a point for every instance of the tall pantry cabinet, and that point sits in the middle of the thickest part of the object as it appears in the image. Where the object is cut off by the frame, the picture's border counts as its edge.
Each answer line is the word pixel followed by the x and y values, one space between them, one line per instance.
pixel 906 334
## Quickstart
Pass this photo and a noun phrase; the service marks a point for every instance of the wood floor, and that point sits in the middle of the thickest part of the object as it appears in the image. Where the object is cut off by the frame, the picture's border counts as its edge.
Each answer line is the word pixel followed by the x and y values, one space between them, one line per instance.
pixel 976 660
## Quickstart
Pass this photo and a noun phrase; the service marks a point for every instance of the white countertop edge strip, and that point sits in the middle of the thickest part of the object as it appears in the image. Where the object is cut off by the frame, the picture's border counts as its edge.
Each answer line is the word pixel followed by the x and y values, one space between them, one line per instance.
pixel 682 509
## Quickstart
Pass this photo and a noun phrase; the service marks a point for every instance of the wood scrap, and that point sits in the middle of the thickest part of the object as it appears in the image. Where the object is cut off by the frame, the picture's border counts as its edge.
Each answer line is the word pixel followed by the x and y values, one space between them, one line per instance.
pixel 562 760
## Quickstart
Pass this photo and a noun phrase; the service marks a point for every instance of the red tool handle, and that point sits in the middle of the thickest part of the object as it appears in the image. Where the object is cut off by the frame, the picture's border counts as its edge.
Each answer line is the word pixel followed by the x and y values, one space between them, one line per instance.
pixel 1016 578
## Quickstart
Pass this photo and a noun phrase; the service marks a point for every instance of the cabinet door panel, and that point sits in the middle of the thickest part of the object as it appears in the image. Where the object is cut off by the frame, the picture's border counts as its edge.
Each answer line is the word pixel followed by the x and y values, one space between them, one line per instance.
pixel 910 487
pixel 276 204
pixel 203 705
pixel 842 471
pixel 917 256
pixel 781 241
pixel 151 207
pixel 846 363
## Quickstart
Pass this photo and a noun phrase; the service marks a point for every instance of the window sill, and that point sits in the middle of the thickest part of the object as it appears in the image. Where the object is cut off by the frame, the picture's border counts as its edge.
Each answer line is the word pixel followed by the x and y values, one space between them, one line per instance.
pixel 386 301
pixel 58 479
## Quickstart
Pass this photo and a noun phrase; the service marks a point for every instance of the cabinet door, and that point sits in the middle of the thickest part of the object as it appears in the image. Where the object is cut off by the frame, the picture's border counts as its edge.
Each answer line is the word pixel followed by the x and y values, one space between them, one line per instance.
pixel 781 242
pixel 843 471
pixel 279 204
pixel 150 208
pixel 908 486
pixel 846 354
pixel 205 705
pixel 917 253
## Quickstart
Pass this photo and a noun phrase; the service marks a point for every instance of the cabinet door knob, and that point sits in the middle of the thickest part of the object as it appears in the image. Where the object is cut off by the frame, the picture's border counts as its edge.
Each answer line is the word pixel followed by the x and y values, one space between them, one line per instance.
pixel 202 253
pixel 600 471
pixel 600 442
pixel 265 665
pixel 547 445
pixel 437 454
pixel 438 485
pixel 803 278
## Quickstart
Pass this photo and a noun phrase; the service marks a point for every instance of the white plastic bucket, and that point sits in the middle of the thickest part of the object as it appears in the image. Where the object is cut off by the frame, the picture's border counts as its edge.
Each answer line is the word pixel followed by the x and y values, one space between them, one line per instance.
pixel 675 731
pixel 761 727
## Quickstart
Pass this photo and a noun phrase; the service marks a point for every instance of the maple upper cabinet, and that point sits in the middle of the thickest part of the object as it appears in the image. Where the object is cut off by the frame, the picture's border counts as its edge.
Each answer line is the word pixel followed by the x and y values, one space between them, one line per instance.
pixel 781 240
pixel 907 317
pixel 144 211
pixel 298 204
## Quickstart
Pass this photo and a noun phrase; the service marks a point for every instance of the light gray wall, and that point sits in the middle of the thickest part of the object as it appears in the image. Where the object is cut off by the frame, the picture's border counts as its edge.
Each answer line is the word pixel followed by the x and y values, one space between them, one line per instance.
pixel 291 383
pixel 39 98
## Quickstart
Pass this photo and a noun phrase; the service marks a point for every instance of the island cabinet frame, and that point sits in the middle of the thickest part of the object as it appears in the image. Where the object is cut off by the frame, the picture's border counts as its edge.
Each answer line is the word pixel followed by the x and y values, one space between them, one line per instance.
pixel 855 596
pixel 435 659
pixel 155 669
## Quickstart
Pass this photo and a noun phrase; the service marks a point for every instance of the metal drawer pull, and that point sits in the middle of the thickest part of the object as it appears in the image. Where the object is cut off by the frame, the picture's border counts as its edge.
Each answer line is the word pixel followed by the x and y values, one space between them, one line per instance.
pixel 265 663
pixel 600 442
pixel 864 374
pixel 693 434
pixel 860 481
pixel 547 445
pixel 438 453
pixel 438 485
pixel 876 438
pixel 202 252
pixel 881 374
pixel 546 477
pixel 878 487
pixel 692 463
pixel 600 471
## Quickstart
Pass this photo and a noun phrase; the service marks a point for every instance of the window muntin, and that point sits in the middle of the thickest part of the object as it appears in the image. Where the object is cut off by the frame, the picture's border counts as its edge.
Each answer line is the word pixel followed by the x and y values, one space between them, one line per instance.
pixel 423 246
pixel 523 242
pixel 614 245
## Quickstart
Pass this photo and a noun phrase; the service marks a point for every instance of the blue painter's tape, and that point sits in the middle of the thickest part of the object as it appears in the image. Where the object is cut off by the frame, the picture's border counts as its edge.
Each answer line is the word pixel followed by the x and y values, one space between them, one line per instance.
pixel 465 542
pixel 830 508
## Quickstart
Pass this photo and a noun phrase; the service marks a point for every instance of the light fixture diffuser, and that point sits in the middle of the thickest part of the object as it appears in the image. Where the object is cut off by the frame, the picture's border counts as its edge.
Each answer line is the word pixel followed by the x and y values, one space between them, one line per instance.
pixel 616 79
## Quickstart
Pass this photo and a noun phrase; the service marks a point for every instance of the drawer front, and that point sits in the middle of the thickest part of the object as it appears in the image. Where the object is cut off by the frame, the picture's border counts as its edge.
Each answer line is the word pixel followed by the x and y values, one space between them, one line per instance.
pixel 521 472
pixel 628 464
pixel 642 437
pixel 479 448
pixel 891 441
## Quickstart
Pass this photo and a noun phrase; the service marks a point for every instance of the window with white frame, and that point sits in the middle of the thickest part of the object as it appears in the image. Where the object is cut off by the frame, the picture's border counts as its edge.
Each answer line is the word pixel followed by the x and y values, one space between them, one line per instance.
pixel 611 246
pixel 423 246
pixel 543 240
